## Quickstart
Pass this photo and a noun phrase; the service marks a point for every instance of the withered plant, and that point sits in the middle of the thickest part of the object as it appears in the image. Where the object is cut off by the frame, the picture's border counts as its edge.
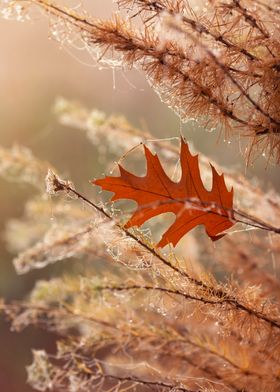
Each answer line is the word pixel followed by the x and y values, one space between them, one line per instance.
pixel 190 318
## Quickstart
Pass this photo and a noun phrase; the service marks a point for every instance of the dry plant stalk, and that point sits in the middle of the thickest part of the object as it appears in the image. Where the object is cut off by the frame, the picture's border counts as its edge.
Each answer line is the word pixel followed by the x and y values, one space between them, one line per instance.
pixel 145 311
pixel 218 63
pixel 140 319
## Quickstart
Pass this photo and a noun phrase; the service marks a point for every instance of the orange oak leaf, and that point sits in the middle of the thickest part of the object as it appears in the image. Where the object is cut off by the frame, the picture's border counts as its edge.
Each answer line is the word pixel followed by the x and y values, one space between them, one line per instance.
pixel 188 199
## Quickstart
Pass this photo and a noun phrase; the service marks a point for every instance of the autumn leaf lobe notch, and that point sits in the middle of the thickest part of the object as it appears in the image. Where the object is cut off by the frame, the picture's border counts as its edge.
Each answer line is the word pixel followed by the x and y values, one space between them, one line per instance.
pixel 155 193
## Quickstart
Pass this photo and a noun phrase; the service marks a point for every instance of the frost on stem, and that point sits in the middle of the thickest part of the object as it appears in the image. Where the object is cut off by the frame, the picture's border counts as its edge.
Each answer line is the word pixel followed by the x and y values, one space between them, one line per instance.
pixel 54 184
pixel 40 214
pixel 59 243
pixel 18 164
pixel 91 235
pixel 217 63
pixel 112 132
pixel 130 312
pixel 40 372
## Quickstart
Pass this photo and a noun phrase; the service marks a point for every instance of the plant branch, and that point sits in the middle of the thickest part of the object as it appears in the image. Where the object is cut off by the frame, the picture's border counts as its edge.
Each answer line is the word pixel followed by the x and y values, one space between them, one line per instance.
pixel 221 294
pixel 159 7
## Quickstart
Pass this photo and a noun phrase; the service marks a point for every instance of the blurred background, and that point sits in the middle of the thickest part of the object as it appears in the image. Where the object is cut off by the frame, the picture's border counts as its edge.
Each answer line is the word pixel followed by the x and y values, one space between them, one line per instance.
pixel 34 71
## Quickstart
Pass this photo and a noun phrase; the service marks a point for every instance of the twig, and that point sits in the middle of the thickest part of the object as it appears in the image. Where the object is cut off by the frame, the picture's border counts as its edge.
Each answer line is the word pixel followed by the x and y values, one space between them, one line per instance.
pixel 219 293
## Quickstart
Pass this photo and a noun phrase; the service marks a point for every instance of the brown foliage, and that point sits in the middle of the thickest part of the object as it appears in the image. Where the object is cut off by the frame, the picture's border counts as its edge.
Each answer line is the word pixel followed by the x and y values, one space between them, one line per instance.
pixel 218 63
pixel 148 311
pixel 188 199
pixel 136 318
